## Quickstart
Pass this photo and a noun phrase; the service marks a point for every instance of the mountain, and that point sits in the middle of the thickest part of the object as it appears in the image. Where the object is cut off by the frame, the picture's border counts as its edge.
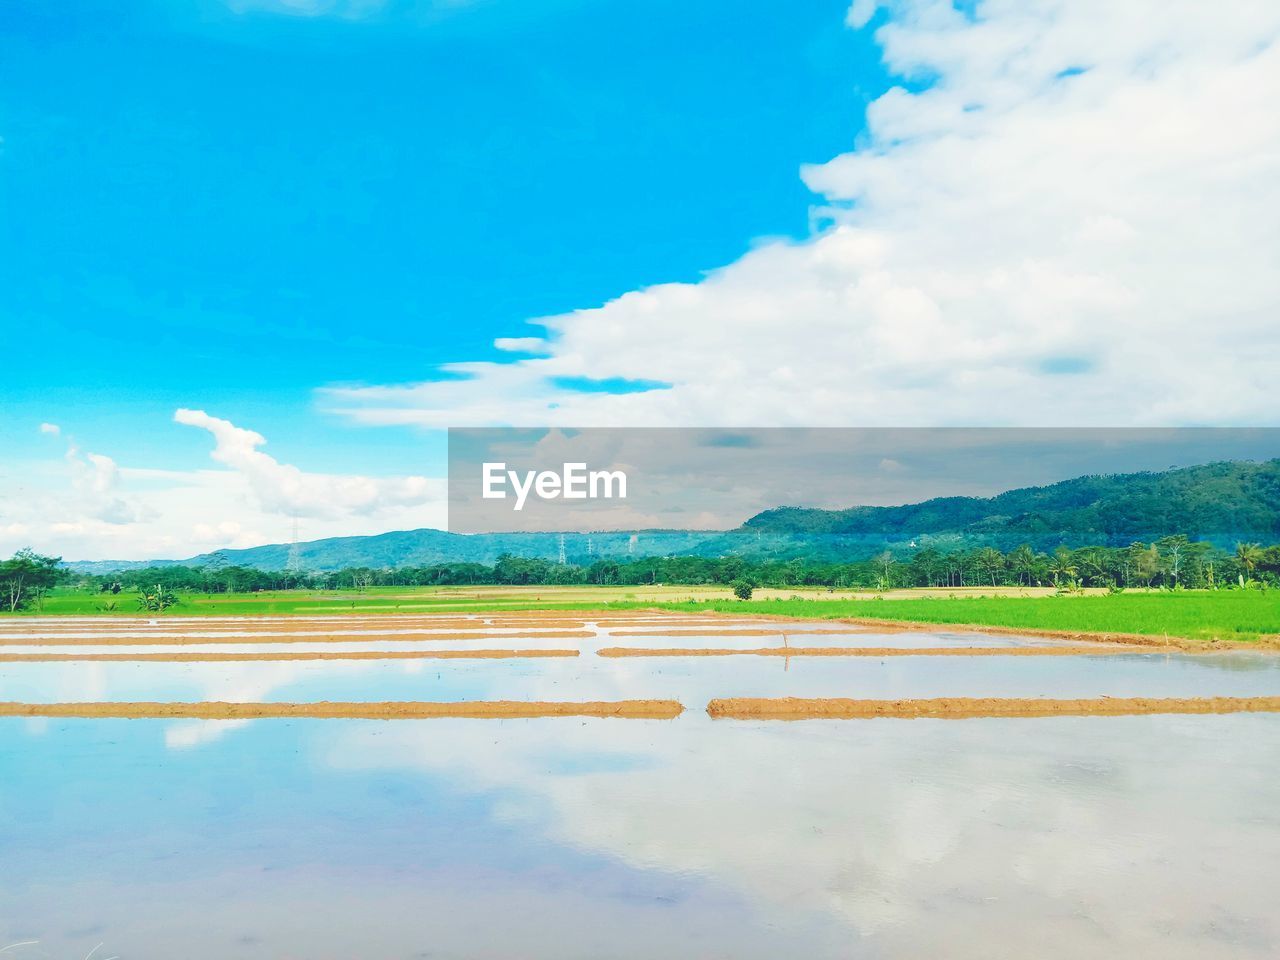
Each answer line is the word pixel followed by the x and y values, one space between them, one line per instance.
pixel 1222 502
pixel 1218 502
pixel 413 548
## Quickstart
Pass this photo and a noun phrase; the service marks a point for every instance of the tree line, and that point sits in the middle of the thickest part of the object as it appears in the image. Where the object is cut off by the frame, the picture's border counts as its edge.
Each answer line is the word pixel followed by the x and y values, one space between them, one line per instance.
pixel 1169 562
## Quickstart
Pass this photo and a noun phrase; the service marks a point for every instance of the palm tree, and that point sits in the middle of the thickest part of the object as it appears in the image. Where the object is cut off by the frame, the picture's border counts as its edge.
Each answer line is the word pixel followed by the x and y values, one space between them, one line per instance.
pixel 1091 564
pixel 1248 555
pixel 1023 560
pixel 992 560
pixel 1061 565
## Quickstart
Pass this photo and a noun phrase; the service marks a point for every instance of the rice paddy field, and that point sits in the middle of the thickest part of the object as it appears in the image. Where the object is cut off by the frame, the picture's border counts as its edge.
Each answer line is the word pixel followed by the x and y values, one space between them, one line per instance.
pixel 1225 615
pixel 448 781
pixel 1237 615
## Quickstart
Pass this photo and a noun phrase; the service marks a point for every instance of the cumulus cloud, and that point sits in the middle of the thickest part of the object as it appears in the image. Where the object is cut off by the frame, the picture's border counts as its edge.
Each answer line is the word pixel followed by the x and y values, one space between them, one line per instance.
pixel 867 830
pixel 284 488
pixel 86 506
pixel 94 477
pixel 51 429
pixel 1068 217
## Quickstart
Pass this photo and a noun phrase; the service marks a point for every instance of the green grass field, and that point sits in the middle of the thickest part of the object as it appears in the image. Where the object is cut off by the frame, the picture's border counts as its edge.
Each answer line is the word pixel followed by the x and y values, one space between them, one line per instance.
pixel 1226 615
pixel 1198 615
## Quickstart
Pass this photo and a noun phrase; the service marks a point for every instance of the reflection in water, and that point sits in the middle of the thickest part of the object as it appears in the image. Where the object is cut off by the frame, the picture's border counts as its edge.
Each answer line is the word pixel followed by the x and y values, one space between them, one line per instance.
pixel 693 681
pixel 1155 836
pixel 1143 837
pixel 919 838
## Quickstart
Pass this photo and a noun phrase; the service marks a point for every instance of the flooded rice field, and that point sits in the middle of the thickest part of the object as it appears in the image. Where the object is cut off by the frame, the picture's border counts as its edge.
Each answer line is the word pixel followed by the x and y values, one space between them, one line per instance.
pixel 628 786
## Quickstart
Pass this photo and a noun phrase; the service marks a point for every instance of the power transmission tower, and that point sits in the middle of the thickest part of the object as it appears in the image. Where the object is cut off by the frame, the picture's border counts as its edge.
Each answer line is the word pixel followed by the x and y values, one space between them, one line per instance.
pixel 562 560
pixel 294 563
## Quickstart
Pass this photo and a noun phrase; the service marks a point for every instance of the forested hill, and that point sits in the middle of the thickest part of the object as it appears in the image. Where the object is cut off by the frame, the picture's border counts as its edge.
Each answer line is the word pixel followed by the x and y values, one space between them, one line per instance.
pixel 1220 502
pixel 1216 501
pixel 415 548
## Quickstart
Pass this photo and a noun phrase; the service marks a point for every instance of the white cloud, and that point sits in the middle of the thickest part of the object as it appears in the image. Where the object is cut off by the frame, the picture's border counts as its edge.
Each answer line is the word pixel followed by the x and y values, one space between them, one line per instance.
pixel 860 13
pixel 51 429
pixel 1075 223
pixel 94 479
pixel 866 828
pixel 282 488
pixel 85 506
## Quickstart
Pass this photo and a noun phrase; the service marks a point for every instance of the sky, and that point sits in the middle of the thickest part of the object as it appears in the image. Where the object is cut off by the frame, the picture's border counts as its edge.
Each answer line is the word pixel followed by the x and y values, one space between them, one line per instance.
pixel 256 255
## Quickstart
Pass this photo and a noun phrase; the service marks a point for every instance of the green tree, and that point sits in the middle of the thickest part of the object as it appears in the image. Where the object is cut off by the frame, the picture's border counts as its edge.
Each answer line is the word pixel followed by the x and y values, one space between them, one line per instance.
pixel 742 589
pixel 1247 556
pixel 1061 567
pixel 1091 564
pixel 1146 561
pixel 926 567
pixel 991 561
pixel 1023 562
pixel 25 578
pixel 885 562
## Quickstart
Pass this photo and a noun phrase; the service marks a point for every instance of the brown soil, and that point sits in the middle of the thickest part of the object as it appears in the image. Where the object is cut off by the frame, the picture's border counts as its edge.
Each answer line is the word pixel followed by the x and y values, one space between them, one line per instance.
pixel 675 622
pixel 297 626
pixel 793 708
pixel 1063 651
pixel 386 710
pixel 732 632
pixel 306 655
pixel 496 624
pixel 271 638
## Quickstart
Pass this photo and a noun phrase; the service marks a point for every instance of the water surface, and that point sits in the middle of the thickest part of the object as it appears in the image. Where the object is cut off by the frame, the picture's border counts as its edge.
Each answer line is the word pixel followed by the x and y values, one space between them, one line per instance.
pixel 1143 837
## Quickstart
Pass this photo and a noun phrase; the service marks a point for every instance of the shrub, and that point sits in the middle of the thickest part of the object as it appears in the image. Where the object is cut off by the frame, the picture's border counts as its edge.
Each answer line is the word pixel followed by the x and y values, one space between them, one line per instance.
pixel 158 600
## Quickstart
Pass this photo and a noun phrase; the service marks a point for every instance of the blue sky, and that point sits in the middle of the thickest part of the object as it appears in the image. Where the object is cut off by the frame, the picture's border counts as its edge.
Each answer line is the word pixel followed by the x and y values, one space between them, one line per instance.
pixel 229 209
pixel 255 255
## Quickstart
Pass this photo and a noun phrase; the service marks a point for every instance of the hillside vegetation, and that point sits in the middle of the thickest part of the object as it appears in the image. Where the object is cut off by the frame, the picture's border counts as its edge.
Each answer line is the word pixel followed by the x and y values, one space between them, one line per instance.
pixel 1219 504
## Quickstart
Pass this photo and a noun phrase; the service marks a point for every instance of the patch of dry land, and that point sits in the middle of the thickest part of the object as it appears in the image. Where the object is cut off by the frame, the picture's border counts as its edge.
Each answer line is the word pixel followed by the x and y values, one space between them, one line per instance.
pixel 97 638
pixel 676 620
pixel 716 630
pixel 280 624
pixel 218 657
pixel 384 710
